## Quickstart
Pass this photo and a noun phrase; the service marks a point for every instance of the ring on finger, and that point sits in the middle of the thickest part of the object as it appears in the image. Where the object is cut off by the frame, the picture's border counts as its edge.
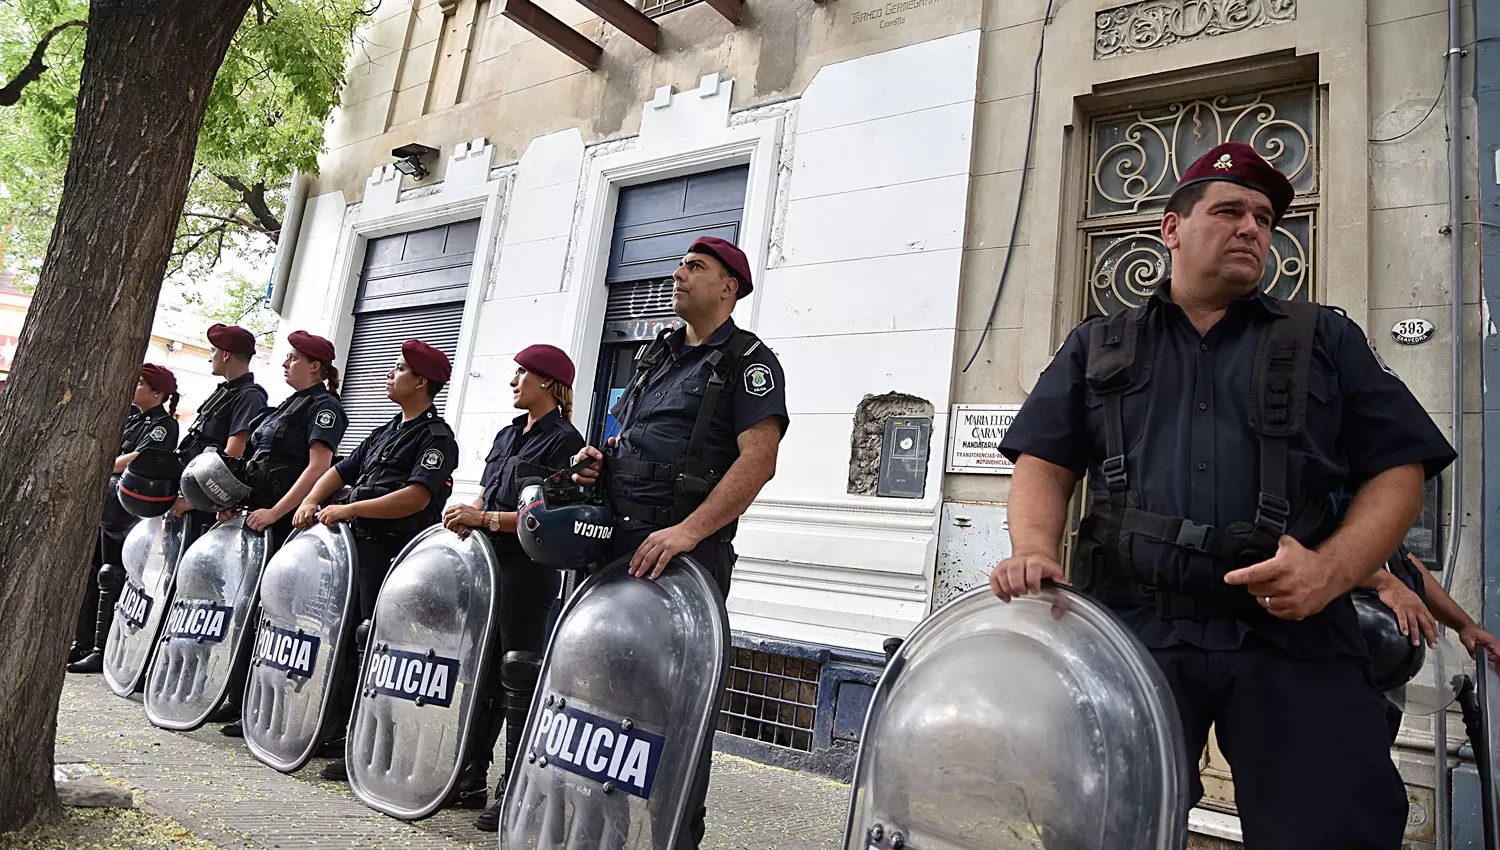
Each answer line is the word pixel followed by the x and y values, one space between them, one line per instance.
pixel 1267 601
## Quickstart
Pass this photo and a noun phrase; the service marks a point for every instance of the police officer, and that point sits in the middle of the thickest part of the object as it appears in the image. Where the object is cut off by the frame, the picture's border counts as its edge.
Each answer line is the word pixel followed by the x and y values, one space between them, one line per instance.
pixel 150 426
pixel 224 420
pixel 1214 422
pixel 540 441
pixel 700 430
pixel 290 448
pixel 400 477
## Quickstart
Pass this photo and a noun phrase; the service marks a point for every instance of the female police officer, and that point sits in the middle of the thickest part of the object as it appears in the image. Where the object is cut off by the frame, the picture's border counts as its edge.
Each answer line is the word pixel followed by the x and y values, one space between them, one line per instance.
pixel 542 438
pixel 289 450
pixel 292 446
pixel 150 426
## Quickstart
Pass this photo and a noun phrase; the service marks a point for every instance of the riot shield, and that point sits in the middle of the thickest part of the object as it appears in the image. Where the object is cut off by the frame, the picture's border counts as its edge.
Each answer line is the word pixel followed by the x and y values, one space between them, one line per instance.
pixel 1004 726
pixel 1487 682
pixel 621 727
pixel 150 555
pixel 306 592
pixel 421 680
pixel 207 626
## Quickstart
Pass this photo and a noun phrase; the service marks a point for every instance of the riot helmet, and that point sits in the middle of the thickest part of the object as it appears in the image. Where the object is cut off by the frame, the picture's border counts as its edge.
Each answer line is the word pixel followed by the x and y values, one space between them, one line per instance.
pixel 213 481
pixel 1394 659
pixel 148 486
pixel 563 525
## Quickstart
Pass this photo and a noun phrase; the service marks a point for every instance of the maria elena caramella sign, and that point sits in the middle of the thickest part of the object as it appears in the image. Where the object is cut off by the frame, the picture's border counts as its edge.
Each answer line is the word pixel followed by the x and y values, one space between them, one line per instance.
pixel 974 444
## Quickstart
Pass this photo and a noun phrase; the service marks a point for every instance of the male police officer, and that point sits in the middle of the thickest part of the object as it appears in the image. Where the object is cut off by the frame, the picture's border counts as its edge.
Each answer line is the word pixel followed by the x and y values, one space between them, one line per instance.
pixel 1214 422
pixel 700 430
pixel 224 420
pixel 400 477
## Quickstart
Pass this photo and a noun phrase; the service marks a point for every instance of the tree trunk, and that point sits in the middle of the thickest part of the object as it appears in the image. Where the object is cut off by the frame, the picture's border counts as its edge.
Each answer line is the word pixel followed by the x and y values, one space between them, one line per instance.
pixel 147 71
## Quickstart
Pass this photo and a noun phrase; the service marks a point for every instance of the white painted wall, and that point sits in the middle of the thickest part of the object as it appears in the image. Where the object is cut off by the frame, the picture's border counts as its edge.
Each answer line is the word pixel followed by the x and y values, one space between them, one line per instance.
pixel 854 223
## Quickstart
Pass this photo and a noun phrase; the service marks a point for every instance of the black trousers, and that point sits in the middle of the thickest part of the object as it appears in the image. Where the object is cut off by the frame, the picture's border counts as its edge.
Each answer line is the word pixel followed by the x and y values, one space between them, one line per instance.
pixel 1307 741
pixel 525 593
pixel 717 557
pixel 373 557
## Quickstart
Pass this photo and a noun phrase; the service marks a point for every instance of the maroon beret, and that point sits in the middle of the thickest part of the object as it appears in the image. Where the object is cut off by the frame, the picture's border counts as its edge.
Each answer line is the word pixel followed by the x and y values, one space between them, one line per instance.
pixel 547 360
pixel 426 361
pixel 231 338
pixel 159 378
pixel 731 256
pixel 1237 162
pixel 312 345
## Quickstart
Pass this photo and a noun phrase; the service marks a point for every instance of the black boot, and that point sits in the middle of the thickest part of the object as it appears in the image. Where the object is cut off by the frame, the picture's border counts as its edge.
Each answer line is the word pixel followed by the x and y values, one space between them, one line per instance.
pixel 469 792
pixel 519 671
pixel 91 663
pixel 111 580
pixel 78 652
pixel 335 770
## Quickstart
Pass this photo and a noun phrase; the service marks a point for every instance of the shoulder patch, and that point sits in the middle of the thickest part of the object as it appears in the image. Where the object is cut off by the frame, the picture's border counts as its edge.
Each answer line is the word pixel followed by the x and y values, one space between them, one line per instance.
pixel 759 380
pixel 158 434
pixel 326 418
pixel 432 459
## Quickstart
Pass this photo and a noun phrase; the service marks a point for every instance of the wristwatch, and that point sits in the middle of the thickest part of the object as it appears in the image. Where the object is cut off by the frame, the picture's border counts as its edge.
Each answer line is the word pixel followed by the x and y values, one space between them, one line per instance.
pixel 494 520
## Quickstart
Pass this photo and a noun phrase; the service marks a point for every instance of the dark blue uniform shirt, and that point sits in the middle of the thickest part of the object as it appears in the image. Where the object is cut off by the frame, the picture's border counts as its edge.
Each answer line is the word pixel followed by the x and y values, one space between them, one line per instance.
pixel 1190 450
pixel 421 451
pixel 231 408
pixel 658 419
pixel 148 429
pixel 551 443
pixel 281 439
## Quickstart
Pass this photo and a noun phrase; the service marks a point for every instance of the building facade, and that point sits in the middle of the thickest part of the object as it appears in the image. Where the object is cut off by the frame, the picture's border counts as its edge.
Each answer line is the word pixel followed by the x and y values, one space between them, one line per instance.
pixel 923 233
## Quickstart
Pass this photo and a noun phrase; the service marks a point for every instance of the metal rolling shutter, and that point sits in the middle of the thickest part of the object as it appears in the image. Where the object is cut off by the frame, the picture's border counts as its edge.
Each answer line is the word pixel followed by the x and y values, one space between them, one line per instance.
pixel 372 353
pixel 412 287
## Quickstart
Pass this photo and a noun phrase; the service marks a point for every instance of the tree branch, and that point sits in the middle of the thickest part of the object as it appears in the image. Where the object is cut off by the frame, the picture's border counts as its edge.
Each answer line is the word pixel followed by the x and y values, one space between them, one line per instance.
pixel 11 93
pixel 233 219
pixel 255 198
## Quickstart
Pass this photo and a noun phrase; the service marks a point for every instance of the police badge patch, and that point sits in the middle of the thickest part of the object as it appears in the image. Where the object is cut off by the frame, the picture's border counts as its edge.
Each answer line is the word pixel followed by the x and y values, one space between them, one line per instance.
pixel 758 380
pixel 325 419
pixel 158 434
pixel 432 459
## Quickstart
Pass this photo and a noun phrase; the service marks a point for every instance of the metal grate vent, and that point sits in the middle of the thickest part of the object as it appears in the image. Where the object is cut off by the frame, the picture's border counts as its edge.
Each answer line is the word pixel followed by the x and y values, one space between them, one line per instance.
pixel 646 299
pixel 771 698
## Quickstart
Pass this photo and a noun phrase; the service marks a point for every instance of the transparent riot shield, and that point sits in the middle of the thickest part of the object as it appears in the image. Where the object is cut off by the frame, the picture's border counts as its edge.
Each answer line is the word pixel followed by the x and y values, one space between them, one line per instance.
pixel 150 555
pixel 1041 723
pixel 1487 683
pixel 207 625
pixel 421 681
pixel 306 594
pixel 621 728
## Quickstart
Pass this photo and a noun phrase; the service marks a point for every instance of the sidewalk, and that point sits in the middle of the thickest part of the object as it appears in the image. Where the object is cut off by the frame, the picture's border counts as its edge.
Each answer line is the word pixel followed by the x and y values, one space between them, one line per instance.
pixel 213 786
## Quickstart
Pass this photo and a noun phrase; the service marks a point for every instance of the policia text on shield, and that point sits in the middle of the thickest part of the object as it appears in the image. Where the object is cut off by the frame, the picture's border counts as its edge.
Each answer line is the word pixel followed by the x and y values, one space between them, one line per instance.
pixel 1214 422
pixel 700 427
pixel 399 478
pixel 540 440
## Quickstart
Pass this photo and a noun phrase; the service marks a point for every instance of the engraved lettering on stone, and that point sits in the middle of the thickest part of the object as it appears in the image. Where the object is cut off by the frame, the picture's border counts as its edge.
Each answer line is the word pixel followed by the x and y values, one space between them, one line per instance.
pixel 1149 24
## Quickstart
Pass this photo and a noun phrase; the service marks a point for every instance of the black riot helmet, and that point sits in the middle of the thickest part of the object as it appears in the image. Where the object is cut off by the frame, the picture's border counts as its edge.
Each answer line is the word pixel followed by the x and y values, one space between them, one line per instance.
pixel 213 481
pixel 1393 658
pixel 148 486
pixel 563 525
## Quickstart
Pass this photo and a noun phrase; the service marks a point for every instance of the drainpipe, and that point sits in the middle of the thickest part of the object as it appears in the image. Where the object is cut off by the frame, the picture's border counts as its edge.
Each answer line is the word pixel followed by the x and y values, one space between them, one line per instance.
pixel 286 241
pixel 1441 801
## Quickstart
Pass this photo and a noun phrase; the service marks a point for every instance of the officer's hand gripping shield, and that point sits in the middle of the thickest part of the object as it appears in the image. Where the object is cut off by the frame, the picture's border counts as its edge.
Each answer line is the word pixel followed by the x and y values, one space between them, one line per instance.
pixel 207 626
pixel 150 555
pixel 1001 726
pixel 421 683
pixel 306 593
pixel 621 728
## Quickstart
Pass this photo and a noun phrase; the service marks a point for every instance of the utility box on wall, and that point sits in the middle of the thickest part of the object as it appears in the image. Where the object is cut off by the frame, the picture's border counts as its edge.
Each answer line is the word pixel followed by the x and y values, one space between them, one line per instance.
pixel 903 457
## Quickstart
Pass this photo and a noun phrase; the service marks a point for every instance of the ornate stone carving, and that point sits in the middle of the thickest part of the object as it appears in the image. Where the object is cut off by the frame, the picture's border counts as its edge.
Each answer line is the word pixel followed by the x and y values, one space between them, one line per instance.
pixel 1148 24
